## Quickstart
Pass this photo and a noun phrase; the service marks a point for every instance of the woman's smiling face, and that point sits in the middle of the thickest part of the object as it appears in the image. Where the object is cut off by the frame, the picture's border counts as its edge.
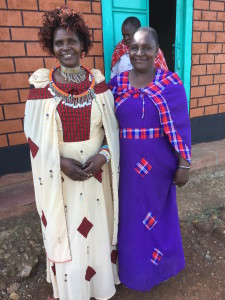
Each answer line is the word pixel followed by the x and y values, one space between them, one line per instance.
pixel 67 47
pixel 143 49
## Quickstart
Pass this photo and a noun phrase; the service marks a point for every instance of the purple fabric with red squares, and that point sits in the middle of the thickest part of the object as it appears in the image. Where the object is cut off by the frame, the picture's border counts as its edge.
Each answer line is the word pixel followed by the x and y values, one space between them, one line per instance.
pixel 90 272
pixel 148 216
pixel 33 147
pixel 143 133
pixel 85 227
pixel 143 167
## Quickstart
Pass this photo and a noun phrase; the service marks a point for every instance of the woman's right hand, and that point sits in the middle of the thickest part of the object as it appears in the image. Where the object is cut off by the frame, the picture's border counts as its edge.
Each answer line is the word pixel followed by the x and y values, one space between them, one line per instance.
pixel 72 169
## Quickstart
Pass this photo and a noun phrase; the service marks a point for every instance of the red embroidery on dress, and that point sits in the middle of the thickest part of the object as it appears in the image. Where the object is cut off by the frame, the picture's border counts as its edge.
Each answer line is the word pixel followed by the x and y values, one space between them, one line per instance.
pixel 54 270
pixel 85 227
pixel 90 272
pixel 114 255
pixel 44 221
pixel 98 175
pixel 33 147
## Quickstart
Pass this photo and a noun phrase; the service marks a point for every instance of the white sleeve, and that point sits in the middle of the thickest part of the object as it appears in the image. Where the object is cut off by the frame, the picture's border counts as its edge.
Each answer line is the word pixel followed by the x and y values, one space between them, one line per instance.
pixel 114 70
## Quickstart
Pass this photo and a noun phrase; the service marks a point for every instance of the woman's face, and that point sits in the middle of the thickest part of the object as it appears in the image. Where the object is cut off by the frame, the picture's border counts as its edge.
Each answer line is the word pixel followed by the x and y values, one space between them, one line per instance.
pixel 143 50
pixel 67 47
pixel 127 32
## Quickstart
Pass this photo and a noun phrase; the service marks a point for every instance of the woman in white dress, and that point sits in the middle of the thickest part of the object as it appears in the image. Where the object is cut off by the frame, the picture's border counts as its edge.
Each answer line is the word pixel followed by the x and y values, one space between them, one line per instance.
pixel 73 137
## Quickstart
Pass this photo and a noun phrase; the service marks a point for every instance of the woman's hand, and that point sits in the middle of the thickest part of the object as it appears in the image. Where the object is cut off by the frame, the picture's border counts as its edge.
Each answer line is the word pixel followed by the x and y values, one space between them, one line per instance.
pixel 72 169
pixel 182 175
pixel 94 164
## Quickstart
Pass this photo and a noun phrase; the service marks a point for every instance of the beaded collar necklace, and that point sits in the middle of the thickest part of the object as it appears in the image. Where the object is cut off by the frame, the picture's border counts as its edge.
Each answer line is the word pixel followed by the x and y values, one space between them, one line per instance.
pixel 76 74
pixel 74 101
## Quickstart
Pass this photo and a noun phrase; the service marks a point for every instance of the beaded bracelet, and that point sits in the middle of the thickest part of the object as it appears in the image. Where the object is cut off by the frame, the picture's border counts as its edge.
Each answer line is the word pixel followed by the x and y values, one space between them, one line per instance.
pixel 184 167
pixel 106 154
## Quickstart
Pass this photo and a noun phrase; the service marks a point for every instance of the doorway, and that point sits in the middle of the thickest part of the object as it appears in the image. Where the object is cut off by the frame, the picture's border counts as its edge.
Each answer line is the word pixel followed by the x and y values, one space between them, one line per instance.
pixel 162 17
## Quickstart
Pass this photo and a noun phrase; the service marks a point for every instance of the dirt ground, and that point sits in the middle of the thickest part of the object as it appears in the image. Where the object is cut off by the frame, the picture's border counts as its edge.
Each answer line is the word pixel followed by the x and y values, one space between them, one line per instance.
pixel 203 234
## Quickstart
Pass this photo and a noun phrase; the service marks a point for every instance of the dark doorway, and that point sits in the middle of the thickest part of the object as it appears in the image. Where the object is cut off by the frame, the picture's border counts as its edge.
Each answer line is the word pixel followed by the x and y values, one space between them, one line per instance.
pixel 162 16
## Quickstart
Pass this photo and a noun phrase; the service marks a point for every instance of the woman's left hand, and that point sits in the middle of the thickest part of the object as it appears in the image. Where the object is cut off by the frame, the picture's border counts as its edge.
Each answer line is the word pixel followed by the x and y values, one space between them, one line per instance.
pixel 181 177
pixel 94 164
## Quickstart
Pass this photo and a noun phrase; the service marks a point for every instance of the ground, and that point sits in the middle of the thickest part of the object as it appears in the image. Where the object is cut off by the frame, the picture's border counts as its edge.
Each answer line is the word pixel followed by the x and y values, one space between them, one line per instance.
pixel 202 219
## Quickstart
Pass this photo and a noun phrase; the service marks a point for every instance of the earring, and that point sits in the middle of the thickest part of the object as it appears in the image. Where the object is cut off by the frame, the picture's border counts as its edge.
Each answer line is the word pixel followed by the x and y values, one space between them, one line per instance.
pixel 83 54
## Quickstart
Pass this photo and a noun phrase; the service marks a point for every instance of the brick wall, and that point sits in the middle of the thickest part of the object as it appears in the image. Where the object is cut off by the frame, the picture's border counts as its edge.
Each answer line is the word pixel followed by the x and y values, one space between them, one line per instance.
pixel 208 58
pixel 20 55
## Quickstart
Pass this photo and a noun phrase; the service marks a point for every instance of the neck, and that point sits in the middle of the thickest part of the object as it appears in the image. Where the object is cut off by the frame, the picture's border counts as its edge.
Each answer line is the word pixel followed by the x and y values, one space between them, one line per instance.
pixel 141 79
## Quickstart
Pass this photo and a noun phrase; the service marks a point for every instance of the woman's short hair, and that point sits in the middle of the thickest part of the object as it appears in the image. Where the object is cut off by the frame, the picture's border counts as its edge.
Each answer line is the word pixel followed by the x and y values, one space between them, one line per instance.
pixel 133 21
pixel 150 30
pixel 67 18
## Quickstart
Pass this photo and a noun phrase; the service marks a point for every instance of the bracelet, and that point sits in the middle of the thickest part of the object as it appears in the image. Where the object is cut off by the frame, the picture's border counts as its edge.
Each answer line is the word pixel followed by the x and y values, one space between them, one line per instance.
pixel 106 154
pixel 184 167
pixel 105 147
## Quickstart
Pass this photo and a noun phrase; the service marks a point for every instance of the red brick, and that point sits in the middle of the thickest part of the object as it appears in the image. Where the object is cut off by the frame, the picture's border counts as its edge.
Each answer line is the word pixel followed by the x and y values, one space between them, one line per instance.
pixel 219 58
pixel 208 15
pixel 220 16
pixel 11 126
pixel 198 70
pixel 24 34
pixel 14 111
pixel 193 103
pixel 200 26
pixel 6 65
pixel 3 141
pixel 208 37
pixel 88 62
pixel 24 95
pixel 93 21
pixel 211 110
pixel 212 90
pixel 219 99
pixel 194 81
pixel 96 8
pixel 219 78
pixel 223 48
pixel 25 4
pixel 48 5
pixel 17 138
pixel 197 15
pixel 201 4
pixel 205 80
pixel 33 19
pixel 12 81
pixel 220 37
pixel 195 59
pixel 198 91
pixel 2 4
pixel 28 64
pixel 81 6
pixel 96 50
pixel 4 34
pixel 10 96
pixel 215 26
pixel 1 114
pixel 222 68
pixel 199 48
pixel 12 49
pixel 221 108
pixel 34 49
pixel 218 6
pixel 50 62
pixel 196 37
pixel 213 69
pixel 222 89
pixel 10 18
pixel 205 101
pixel 197 112
pixel 98 35
pixel 207 59
pixel 99 64
pixel 214 48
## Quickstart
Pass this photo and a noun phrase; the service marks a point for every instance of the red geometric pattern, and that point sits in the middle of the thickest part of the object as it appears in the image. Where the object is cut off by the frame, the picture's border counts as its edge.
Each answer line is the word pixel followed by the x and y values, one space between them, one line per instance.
pixel 98 175
pixel 142 133
pixel 43 219
pixel 156 256
pixel 90 272
pixel 85 227
pixel 142 167
pixel 33 147
pixel 54 270
pixel 114 255
pixel 149 221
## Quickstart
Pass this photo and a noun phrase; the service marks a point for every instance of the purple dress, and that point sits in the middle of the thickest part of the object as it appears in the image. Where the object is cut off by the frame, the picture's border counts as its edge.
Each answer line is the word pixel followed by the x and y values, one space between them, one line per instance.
pixel 154 127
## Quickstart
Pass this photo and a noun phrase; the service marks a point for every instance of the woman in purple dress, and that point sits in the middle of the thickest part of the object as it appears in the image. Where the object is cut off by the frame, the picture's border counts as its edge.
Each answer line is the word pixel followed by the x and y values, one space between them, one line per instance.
pixel 155 148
